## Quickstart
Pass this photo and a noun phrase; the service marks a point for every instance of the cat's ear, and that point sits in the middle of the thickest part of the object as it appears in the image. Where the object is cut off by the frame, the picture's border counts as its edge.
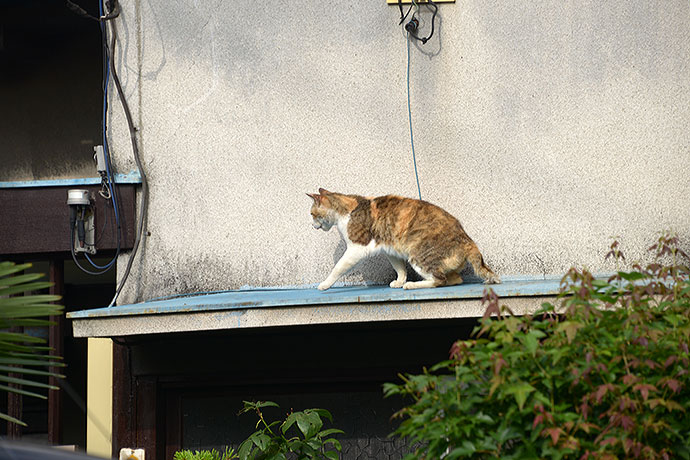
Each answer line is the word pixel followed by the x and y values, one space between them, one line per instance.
pixel 315 197
pixel 323 191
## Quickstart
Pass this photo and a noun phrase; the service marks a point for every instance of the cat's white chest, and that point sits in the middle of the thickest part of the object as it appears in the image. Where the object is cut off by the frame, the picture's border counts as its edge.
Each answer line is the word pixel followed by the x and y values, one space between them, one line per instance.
pixel 341 224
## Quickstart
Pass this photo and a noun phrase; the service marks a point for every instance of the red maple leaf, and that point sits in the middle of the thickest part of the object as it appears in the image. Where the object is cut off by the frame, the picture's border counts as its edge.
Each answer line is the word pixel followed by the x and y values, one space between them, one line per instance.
pixel 555 433
pixel 602 390
pixel 644 389
pixel 673 384
pixel 537 420
pixel 608 441
pixel 627 423
pixel 630 378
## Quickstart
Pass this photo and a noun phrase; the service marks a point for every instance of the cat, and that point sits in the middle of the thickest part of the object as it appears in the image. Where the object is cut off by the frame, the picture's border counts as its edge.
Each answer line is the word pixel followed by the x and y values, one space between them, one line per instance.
pixel 405 229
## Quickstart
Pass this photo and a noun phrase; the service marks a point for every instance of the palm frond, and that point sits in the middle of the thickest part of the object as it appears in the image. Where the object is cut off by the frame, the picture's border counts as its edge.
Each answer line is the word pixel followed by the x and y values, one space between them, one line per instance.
pixel 24 358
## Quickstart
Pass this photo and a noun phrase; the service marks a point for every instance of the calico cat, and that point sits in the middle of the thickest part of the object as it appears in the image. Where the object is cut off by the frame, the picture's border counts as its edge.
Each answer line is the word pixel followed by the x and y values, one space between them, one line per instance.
pixel 426 236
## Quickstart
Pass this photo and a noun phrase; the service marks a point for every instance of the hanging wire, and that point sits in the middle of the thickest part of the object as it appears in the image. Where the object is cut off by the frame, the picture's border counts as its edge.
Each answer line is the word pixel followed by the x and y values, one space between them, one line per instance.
pixel 409 115
pixel 109 190
pixel 403 16
pixel 108 184
pixel 143 208
pixel 429 4
pixel 416 6
pixel 412 25
pixel 76 261
pixel 82 12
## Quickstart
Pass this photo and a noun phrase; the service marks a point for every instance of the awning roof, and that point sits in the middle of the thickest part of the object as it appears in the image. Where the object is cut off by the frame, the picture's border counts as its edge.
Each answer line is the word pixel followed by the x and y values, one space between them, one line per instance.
pixel 266 307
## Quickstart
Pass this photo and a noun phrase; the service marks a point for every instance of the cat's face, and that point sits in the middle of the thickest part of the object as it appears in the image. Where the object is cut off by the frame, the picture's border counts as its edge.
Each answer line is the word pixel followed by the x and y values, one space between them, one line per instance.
pixel 322 214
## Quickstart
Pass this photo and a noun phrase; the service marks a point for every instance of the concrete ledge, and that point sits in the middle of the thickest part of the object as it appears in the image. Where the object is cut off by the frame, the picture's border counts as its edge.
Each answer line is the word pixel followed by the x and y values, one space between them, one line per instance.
pixel 291 316
pixel 288 307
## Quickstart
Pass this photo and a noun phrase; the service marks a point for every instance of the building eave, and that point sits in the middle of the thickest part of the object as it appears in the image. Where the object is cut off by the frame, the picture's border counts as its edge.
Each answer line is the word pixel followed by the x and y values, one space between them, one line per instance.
pixel 248 308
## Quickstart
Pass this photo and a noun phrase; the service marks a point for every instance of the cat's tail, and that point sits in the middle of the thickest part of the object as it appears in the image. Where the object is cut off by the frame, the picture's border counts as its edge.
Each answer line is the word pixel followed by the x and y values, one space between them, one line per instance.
pixel 480 267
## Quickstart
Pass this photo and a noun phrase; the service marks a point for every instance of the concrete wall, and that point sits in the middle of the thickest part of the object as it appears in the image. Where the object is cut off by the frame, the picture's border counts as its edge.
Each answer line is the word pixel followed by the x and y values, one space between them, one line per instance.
pixel 546 127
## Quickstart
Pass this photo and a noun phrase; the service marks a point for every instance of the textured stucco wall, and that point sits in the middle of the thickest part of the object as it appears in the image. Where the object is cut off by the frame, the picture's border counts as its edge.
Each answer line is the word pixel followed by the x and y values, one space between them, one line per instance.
pixel 546 127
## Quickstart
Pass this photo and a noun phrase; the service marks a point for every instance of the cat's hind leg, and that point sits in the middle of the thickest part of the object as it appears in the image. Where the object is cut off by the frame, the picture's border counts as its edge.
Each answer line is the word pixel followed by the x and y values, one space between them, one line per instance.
pixel 453 278
pixel 400 268
pixel 430 280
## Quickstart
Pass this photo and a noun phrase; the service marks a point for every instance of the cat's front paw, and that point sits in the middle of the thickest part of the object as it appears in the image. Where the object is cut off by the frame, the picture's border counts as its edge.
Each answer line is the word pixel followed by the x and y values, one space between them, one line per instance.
pixel 323 286
pixel 493 280
pixel 397 283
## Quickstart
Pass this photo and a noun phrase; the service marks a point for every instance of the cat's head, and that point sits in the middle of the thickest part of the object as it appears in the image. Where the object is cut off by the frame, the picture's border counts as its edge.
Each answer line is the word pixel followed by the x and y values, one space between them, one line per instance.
pixel 322 210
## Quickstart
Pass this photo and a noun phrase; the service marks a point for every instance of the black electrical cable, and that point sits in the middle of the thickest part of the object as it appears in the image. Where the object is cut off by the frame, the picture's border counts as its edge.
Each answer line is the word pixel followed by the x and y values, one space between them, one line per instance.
pixel 433 18
pixel 82 12
pixel 107 178
pixel 102 232
pixel 403 16
pixel 114 11
pixel 79 10
pixel 118 234
pixel 108 66
pixel 74 257
pixel 144 184
pixel 412 25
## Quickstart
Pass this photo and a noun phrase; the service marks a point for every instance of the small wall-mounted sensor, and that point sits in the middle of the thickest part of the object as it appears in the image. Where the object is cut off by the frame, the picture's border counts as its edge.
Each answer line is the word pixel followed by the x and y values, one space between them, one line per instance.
pixel 99 158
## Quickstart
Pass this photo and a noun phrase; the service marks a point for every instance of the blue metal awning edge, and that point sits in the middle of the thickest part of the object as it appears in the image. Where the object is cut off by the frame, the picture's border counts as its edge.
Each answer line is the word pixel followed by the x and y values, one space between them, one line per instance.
pixel 132 177
pixel 295 297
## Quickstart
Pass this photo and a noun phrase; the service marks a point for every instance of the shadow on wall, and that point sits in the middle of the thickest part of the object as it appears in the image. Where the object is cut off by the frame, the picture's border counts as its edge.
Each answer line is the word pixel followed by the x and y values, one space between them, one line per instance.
pixel 373 270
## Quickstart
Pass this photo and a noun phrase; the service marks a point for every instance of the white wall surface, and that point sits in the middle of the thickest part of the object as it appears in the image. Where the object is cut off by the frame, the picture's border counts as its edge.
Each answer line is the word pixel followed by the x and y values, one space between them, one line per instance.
pixel 546 127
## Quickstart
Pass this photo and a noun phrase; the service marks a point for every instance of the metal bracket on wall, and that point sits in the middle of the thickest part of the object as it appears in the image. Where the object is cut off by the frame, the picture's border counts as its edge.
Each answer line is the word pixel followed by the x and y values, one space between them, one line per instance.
pixel 90 233
pixel 82 216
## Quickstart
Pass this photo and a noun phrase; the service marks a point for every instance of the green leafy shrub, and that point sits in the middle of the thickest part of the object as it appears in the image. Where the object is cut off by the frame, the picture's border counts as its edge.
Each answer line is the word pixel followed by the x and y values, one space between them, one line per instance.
pixel 24 359
pixel 300 436
pixel 271 441
pixel 212 454
pixel 602 376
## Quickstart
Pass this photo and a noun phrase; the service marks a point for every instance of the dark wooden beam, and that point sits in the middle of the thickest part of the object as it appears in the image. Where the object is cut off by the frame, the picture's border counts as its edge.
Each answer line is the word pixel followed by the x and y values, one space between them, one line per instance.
pixel 173 423
pixel 146 407
pixel 36 220
pixel 56 342
pixel 147 416
pixel 124 427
